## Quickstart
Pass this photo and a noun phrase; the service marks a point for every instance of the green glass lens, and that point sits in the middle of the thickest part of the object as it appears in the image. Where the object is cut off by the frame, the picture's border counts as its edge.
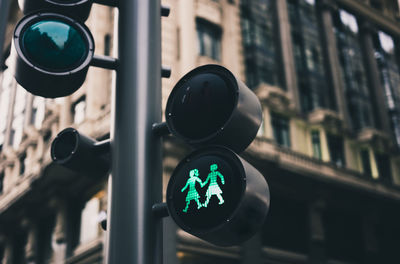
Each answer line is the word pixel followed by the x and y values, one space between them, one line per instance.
pixel 55 45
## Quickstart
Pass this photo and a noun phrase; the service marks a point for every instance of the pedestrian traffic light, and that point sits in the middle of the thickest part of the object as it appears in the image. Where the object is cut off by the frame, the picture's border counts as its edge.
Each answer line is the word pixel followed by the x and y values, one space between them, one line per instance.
pixel 217 196
pixel 213 193
pixel 52 54
pixel 209 105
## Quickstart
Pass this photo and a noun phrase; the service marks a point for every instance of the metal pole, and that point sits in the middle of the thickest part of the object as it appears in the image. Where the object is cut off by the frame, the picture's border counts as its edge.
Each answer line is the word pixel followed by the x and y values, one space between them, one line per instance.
pixel 135 235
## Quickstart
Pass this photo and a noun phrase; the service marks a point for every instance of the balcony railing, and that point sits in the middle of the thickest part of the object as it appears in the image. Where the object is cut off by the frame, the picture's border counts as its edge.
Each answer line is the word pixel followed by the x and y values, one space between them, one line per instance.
pixel 298 163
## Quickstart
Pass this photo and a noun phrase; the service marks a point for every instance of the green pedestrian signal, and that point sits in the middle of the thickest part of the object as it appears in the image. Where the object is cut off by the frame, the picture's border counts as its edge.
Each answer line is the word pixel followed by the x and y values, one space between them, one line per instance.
pixel 215 195
pixel 192 193
pixel 213 187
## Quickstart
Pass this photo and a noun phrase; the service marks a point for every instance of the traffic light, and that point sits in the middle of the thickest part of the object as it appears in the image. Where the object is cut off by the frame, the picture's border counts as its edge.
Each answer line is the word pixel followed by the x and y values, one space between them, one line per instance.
pixel 213 193
pixel 52 54
pixel 78 152
pixel 52 49
pixel 209 105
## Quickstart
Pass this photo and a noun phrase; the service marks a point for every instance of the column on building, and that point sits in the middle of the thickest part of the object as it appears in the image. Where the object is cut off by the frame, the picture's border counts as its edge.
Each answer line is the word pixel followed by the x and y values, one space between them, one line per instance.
pixel 188 38
pixel 376 89
pixel 286 52
pixel 332 63
pixel 98 79
pixel 9 91
pixel 231 42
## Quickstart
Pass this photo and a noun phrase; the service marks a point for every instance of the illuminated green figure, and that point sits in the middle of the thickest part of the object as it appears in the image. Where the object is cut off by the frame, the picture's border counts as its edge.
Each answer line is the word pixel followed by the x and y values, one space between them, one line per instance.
pixel 213 187
pixel 192 193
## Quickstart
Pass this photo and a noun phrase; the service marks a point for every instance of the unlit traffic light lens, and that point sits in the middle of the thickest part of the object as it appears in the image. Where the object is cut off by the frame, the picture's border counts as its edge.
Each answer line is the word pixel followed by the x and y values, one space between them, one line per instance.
pixel 52 54
pixel 202 105
pixel 55 45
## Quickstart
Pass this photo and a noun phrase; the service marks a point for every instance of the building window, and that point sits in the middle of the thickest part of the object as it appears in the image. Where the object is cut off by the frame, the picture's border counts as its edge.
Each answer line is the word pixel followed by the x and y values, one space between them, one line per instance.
pixel 19 117
pixel 209 39
pixel 79 110
pixel 376 4
pixel 22 164
pixel 280 127
pixel 107 45
pixel 384 168
pixel 389 69
pixel 307 52
pixel 343 231
pixel 44 239
pixel 352 69
pixel 316 144
pixel 1 182
pixel 336 150
pixel 5 94
pixel 90 228
pixel 18 248
pixel 37 115
pixel 365 161
pixel 260 43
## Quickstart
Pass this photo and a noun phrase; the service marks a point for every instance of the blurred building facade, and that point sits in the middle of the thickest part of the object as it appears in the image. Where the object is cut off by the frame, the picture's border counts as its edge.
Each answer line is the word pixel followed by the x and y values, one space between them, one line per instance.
pixel 327 74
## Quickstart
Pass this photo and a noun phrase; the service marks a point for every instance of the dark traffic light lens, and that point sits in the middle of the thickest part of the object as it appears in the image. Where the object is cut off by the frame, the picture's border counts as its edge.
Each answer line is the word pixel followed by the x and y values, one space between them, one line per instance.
pixel 55 45
pixel 64 145
pixel 202 105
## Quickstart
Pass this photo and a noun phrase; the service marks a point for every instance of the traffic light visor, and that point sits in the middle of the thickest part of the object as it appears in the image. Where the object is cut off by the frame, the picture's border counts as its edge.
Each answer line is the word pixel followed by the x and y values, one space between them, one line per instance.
pixel 79 9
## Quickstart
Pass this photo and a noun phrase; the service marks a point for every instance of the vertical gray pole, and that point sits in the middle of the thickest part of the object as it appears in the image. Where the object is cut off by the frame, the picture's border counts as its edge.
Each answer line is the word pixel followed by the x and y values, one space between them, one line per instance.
pixel 135 236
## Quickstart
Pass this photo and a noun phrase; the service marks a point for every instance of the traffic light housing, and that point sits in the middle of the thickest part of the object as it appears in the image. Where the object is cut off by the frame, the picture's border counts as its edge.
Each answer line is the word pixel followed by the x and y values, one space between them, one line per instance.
pixel 78 152
pixel 52 53
pixel 213 193
pixel 209 105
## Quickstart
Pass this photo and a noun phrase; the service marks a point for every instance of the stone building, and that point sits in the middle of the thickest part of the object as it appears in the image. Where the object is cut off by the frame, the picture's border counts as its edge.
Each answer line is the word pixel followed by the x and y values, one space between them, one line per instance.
pixel 327 74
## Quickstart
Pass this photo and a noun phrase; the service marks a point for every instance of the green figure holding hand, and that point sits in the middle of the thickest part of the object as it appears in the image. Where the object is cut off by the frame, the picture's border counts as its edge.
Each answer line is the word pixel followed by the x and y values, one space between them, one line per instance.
pixel 213 188
pixel 192 193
